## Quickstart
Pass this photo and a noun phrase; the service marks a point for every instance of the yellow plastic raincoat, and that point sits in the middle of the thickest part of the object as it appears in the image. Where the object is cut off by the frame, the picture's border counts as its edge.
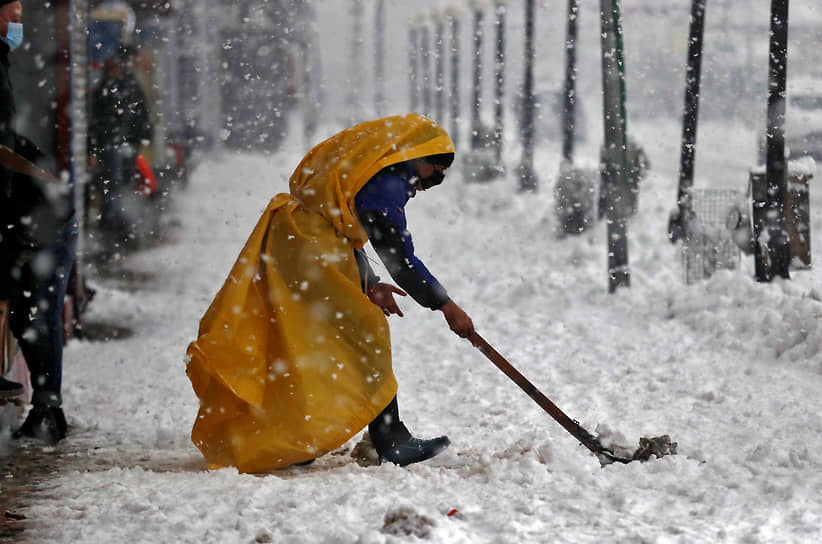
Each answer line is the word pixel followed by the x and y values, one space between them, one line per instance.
pixel 292 359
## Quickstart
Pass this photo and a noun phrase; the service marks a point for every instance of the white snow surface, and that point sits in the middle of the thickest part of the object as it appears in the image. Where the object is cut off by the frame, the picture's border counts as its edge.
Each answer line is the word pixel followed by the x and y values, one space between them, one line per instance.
pixel 730 368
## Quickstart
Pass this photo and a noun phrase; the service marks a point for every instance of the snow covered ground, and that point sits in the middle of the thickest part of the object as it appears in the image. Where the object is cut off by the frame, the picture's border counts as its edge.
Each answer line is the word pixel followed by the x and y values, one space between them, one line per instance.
pixel 730 368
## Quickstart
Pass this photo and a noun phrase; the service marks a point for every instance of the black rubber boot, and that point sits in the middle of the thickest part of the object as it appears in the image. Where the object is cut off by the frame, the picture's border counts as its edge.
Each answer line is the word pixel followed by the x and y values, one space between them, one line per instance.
pixel 415 450
pixel 44 422
pixel 395 444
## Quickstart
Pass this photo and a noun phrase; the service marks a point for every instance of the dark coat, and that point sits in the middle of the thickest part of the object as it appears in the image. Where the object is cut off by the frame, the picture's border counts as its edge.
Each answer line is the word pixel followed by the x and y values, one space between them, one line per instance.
pixel 7 107
pixel 34 211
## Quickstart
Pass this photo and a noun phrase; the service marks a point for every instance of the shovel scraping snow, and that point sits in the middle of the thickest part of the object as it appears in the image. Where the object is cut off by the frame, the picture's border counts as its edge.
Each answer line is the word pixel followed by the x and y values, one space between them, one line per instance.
pixel 657 446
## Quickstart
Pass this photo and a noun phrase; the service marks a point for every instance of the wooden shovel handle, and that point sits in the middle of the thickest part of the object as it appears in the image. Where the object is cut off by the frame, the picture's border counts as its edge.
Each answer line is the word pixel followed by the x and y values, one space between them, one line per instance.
pixel 587 439
pixel 21 165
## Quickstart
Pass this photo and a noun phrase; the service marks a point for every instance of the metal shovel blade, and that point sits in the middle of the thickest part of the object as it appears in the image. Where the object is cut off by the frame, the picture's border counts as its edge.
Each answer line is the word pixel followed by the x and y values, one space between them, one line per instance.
pixel 656 446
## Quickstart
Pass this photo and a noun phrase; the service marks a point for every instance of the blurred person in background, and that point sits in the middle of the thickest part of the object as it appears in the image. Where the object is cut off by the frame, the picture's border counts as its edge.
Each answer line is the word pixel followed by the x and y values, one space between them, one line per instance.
pixel 37 243
pixel 119 127
pixel 11 35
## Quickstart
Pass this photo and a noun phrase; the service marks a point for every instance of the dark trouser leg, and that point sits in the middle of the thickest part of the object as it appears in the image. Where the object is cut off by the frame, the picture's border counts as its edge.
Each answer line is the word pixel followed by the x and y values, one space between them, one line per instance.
pixel 113 218
pixel 387 430
pixel 395 444
pixel 37 307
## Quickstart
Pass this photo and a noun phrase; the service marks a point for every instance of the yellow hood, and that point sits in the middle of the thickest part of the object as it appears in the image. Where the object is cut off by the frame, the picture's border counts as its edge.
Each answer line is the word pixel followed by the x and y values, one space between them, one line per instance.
pixel 330 175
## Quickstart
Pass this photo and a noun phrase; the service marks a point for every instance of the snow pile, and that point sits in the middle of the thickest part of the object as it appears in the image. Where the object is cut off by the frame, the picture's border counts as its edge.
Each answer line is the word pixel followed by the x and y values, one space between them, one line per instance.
pixel 781 320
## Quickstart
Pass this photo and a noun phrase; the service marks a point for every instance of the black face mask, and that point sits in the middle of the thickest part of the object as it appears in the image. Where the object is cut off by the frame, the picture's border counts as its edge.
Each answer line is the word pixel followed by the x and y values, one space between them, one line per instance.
pixel 432 180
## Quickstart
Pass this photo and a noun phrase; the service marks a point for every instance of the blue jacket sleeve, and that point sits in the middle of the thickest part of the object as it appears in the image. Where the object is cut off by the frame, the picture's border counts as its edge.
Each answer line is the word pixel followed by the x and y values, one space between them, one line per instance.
pixel 380 207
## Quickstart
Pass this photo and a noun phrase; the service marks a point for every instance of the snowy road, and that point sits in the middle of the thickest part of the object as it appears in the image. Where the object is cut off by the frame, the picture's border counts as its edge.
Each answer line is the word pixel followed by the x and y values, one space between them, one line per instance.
pixel 731 369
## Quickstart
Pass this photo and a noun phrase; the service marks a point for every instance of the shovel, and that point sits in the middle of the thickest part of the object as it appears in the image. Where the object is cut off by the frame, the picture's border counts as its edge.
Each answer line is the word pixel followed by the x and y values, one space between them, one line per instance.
pixel 657 446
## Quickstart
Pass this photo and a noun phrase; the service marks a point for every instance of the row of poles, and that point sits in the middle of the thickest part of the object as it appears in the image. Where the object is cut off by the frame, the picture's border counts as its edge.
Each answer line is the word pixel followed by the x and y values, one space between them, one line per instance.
pixel 427 82
pixel 428 95
pixel 433 52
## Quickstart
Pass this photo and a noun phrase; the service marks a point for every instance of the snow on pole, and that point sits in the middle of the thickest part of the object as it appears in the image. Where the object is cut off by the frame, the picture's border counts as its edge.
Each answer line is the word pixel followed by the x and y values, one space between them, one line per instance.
pixel 379 58
pixel 482 164
pixel 78 55
pixel 413 72
pixel 425 63
pixel 356 70
pixel 439 68
pixel 499 79
pixel 476 102
pixel 569 110
pixel 575 189
pixel 527 178
pixel 454 22
pixel 614 197
pixel 678 224
pixel 772 250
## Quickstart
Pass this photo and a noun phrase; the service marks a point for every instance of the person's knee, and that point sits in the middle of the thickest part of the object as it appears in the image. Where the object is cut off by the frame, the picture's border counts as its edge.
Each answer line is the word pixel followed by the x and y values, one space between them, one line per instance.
pixel 34 316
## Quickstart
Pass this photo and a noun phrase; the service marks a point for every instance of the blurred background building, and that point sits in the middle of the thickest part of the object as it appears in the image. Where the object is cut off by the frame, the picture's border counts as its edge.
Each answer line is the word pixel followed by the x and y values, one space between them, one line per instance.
pixel 223 72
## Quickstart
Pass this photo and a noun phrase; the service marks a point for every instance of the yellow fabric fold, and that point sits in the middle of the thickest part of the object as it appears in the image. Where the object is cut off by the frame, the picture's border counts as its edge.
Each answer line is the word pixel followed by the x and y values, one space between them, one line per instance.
pixel 292 359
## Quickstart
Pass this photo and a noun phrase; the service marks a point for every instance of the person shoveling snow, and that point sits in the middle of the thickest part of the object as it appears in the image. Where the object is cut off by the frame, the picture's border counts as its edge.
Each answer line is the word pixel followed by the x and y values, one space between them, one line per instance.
pixel 293 357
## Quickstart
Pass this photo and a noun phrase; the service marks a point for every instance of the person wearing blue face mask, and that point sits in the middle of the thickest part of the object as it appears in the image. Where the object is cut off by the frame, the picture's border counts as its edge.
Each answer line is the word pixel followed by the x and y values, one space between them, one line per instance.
pixel 38 236
pixel 11 29
pixel 11 35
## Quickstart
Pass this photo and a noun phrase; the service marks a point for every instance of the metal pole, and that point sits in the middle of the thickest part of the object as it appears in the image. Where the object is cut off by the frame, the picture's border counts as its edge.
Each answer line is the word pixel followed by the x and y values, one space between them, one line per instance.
pixel 425 50
pixel 79 15
pixel 476 128
pixel 356 68
pixel 614 165
pixel 455 78
pixel 569 111
pixel 78 55
pixel 439 93
pixel 620 58
pixel 778 249
pixel 311 75
pixel 527 179
pixel 499 79
pixel 678 227
pixel 413 72
pixel 379 58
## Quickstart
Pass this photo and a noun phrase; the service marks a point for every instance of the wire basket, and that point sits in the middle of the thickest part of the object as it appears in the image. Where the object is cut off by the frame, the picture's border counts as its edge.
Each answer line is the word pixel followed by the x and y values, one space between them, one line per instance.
pixel 708 247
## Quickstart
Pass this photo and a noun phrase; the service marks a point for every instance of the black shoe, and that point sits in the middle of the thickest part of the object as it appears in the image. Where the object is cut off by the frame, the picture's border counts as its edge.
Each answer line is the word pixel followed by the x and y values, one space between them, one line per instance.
pixel 10 389
pixel 46 423
pixel 415 450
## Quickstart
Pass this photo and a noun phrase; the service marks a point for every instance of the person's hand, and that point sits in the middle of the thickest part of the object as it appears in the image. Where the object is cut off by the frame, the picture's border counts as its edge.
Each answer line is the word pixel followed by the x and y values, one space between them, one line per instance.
pixel 92 161
pixel 458 320
pixel 382 294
